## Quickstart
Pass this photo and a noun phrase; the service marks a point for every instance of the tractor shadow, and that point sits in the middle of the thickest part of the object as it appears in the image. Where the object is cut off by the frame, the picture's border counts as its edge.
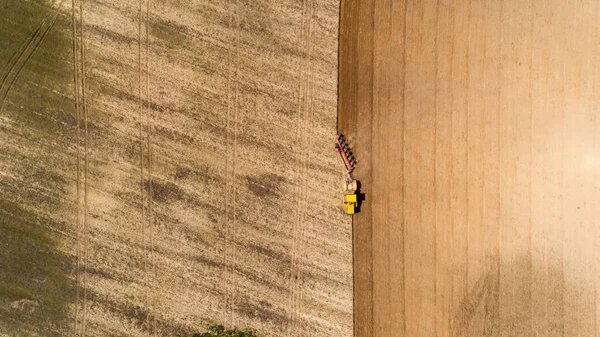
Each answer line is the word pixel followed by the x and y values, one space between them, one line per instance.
pixel 360 197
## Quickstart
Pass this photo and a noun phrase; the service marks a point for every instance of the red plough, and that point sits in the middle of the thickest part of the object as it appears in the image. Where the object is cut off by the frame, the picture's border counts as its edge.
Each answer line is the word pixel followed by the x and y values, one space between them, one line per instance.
pixel 345 152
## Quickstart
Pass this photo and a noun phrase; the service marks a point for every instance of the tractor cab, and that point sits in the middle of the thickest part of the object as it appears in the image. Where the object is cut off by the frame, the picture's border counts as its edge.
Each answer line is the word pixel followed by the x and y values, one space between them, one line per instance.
pixel 350 197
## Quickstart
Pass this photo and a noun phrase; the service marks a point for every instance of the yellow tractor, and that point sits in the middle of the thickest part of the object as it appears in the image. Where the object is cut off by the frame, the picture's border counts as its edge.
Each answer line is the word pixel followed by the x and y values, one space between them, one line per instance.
pixel 351 185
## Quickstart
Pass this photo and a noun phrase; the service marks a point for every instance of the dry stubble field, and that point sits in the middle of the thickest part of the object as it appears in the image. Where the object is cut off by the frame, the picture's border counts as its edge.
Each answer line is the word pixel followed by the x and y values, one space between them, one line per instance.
pixel 176 170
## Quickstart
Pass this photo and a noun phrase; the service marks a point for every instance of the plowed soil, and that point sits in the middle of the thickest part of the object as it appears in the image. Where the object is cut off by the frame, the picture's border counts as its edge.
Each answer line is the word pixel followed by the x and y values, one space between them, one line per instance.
pixel 476 127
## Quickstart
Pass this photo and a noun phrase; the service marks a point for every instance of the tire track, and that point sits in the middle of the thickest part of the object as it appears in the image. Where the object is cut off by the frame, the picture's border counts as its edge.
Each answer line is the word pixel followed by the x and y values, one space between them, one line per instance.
pixel 228 183
pixel 16 57
pixel 308 113
pixel 152 323
pixel 78 188
pixel 143 194
pixel 235 134
pixel 19 52
pixel 293 292
pixel 226 192
pixel 24 54
pixel 230 169
pixel 87 170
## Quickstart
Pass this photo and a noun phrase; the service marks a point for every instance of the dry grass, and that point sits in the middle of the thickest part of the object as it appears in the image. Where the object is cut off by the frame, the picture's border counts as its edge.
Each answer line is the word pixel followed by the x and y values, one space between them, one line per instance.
pixel 212 190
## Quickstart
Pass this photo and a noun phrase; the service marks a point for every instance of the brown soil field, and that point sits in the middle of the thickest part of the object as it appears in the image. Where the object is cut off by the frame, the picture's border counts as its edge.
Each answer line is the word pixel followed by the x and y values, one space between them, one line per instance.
pixel 166 165
pixel 476 127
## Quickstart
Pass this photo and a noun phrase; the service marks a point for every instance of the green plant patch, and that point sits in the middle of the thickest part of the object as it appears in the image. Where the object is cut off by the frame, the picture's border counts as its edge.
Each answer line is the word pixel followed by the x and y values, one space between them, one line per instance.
pixel 220 331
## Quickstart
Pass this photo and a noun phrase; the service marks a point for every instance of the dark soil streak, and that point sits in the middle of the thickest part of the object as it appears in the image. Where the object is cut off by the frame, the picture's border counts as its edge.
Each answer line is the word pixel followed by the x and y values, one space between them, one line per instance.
pixel 265 185
pixel 262 250
pixel 138 316
pixel 262 313
pixel 111 34
pixel 164 191
pixel 256 278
